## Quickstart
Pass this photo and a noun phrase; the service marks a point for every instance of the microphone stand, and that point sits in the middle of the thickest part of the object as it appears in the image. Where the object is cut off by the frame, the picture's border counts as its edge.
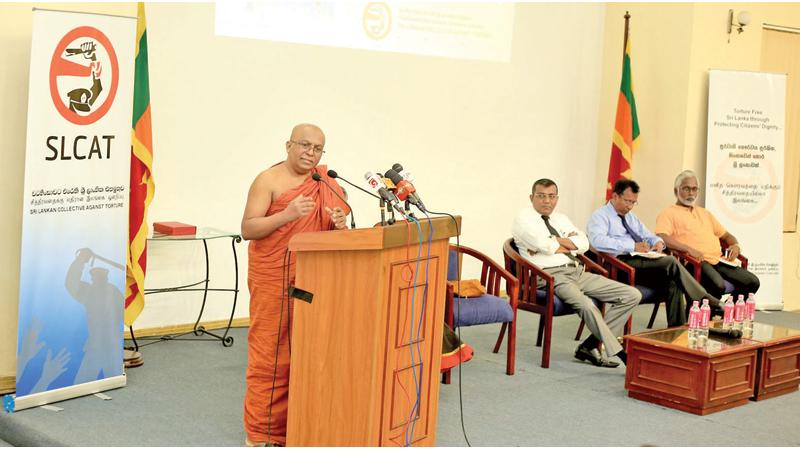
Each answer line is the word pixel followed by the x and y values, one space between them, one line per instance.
pixel 338 177
pixel 383 212
pixel 408 209
pixel 316 177
pixel 391 213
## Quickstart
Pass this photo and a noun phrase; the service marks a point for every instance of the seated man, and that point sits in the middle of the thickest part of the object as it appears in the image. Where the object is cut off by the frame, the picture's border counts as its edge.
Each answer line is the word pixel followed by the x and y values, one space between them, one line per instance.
pixel 614 229
pixel 550 241
pixel 692 229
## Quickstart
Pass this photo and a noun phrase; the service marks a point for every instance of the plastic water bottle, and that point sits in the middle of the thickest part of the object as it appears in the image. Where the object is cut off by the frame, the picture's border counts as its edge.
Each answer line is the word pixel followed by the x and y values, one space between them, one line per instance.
pixel 705 319
pixel 727 313
pixel 739 310
pixel 694 323
pixel 750 312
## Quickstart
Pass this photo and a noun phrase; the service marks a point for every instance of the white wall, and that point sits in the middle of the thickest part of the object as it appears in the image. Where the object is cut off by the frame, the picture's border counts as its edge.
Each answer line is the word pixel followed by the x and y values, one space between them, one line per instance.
pixel 475 134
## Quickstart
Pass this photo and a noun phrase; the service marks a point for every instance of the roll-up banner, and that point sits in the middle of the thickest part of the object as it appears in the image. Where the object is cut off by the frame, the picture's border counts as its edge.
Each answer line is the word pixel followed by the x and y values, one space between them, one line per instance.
pixel 744 169
pixel 75 210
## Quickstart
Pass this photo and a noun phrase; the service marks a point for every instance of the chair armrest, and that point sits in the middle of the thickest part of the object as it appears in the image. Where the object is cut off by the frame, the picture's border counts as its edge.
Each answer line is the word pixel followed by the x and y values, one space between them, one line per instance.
pixel 491 272
pixel 688 260
pixel 617 265
pixel 528 275
pixel 592 266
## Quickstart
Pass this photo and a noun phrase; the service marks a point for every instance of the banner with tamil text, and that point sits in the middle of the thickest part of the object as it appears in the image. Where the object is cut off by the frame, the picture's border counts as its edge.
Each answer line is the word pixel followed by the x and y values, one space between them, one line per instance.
pixel 75 210
pixel 744 169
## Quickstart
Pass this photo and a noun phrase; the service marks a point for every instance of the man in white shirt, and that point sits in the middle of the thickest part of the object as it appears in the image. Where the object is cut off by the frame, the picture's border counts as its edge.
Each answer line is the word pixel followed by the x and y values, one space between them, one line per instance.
pixel 550 241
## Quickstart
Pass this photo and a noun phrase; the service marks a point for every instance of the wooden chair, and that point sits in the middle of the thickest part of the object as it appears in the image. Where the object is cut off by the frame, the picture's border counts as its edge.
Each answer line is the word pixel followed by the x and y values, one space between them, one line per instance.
pixel 542 301
pixel 488 308
pixel 624 273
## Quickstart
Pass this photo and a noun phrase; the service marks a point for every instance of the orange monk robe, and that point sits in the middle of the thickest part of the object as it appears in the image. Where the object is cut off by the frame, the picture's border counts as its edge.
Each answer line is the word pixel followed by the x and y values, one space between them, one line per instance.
pixel 270 311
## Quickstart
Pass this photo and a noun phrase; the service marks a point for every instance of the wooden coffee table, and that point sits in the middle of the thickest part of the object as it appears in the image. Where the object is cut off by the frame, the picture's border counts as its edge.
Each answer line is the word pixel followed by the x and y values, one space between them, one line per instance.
pixel 778 370
pixel 663 369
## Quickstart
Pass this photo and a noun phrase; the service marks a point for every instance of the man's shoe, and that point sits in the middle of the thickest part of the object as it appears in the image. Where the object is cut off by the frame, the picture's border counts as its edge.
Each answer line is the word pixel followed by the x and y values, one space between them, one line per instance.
pixel 593 356
pixel 713 302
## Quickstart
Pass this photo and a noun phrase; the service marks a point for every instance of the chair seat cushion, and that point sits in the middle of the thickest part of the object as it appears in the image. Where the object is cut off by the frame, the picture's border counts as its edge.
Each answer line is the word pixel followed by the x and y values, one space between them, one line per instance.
pixel 479 310
pixel 649 295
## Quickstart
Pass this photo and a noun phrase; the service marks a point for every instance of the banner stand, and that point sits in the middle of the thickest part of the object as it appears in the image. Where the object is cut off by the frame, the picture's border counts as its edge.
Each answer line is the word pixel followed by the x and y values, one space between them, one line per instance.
pixel 74 237
pixel 12 403
pixel 744 169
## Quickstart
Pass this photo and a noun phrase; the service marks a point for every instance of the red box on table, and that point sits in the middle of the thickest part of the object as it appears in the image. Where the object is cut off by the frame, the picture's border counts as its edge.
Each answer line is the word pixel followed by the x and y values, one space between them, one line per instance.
pixel 174 228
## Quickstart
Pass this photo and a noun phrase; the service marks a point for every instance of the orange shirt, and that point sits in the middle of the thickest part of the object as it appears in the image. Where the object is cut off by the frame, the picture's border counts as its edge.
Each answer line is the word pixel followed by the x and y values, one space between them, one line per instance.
pixel 695 227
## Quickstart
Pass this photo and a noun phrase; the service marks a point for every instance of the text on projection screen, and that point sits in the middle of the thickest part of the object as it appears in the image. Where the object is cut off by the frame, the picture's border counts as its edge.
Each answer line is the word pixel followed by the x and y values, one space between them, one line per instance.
pixel 481 31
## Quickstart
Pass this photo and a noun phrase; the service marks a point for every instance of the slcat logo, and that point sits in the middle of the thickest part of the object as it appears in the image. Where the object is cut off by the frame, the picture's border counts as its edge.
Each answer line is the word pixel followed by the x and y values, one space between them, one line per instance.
pixel 84 75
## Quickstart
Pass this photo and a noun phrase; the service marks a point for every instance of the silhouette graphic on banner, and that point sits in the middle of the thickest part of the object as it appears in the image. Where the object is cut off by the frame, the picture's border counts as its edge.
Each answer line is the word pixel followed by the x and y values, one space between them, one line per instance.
pixel 102 301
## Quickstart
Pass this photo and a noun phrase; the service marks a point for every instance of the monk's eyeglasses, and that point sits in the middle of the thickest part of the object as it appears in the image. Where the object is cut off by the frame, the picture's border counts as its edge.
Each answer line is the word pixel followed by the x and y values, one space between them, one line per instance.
pixel 318 149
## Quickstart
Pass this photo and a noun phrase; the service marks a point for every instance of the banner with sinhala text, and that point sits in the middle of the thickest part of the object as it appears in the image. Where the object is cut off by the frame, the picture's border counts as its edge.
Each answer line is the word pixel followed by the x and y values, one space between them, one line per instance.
pixel 75 210
pixel 744 169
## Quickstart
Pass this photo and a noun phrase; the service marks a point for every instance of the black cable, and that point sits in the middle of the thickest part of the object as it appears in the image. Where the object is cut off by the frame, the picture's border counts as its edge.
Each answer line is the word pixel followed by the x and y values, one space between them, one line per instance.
pixel 458 329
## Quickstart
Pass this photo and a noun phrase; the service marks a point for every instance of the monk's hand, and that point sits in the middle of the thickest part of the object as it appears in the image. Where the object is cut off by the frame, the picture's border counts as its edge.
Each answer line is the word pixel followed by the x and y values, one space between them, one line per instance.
pixel 659 247
pixel 338 217
pixel 299 207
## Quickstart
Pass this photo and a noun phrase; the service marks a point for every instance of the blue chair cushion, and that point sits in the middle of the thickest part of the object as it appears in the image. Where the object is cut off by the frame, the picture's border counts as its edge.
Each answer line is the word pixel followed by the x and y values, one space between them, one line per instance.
pixel 452 265
pixel 559 307
pixel 479 310
pixel 649 295
pixel 729 288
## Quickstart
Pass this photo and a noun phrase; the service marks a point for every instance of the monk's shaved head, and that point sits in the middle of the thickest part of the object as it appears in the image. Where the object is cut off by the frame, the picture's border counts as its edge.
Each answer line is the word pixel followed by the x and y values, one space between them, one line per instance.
pixel 301 129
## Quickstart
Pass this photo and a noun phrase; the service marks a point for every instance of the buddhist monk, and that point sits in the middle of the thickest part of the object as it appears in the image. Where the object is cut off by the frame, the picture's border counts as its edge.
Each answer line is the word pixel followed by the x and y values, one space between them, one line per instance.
pixel 283 200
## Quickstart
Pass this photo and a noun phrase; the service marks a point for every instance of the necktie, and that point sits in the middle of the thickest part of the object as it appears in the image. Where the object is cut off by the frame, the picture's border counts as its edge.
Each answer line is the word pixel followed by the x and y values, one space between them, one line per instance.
pixel 555 233
pixel 636 237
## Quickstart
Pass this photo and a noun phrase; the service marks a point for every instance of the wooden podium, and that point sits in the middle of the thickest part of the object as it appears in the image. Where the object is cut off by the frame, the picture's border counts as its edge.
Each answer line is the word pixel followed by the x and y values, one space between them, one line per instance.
pixel 352 371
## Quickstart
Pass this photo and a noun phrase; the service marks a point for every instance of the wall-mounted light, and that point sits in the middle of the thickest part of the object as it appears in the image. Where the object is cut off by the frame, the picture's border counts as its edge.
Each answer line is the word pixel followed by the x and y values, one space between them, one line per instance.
pixel 742 19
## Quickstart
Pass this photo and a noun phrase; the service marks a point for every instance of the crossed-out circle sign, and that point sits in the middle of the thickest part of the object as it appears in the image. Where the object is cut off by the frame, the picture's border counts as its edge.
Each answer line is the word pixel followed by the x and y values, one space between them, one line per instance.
pixel 60 66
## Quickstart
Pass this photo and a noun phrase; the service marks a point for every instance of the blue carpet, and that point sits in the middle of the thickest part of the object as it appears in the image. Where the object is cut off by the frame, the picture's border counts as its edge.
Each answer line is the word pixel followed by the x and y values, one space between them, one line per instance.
pixel 191 393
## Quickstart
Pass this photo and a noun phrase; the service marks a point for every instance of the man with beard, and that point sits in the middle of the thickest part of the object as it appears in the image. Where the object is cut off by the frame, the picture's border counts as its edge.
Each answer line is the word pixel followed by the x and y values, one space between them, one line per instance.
pixel 689 228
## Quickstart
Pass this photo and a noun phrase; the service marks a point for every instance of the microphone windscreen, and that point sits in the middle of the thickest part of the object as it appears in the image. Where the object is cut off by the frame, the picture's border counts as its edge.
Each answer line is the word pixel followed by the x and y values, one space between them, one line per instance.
pixel 727 333
pixel 316 177
pixel 394 176
pixel 332 173
pixel 397 167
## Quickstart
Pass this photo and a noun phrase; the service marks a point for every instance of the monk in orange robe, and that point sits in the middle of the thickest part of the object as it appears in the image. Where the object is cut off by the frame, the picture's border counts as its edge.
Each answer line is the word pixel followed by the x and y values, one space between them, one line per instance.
pixel 283 200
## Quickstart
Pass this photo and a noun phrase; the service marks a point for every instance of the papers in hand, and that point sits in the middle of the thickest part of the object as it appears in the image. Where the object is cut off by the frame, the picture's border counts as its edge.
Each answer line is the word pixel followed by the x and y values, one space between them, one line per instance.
pixel 651 255
pixel 734 263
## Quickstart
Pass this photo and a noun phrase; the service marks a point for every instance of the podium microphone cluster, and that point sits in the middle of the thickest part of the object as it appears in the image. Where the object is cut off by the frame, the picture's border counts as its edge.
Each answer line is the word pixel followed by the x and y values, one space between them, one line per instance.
pixel 318 177
pixel 405 190
pixel 332 173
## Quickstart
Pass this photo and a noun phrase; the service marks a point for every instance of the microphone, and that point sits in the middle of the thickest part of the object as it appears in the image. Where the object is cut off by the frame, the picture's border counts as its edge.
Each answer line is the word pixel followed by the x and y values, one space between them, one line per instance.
pixel 317 177
pixel 405 190
pixel 376 183
pixel 735 334
pixel 403 173
pixel 333 174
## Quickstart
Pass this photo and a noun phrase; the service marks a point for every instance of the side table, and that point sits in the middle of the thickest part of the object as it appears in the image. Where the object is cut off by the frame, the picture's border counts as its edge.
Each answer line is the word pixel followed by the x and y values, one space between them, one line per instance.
pixel 204 235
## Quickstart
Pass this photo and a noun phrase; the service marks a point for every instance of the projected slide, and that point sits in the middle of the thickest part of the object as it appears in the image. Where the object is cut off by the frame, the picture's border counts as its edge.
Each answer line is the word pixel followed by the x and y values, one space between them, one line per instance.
pixel 470 31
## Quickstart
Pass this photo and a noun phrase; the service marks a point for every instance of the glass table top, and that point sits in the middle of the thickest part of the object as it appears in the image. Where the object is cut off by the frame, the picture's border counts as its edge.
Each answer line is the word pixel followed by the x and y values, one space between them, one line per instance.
pixel 679 337
pixel 763 332
pixel 202 233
